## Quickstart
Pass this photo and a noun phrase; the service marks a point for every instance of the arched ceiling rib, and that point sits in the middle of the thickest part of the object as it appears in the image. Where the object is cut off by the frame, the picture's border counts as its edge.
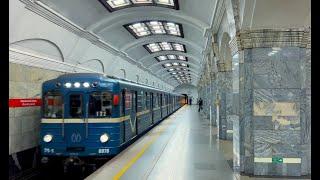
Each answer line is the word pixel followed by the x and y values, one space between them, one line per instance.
pixel 143 13
pixel 159 64
pixel 146 58
pixel 164 70
pixel 159 38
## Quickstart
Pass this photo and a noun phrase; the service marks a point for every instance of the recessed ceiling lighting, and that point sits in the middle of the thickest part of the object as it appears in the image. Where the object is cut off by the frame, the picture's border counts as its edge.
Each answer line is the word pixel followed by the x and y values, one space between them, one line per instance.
pixel 168 64
pixel 113 5
pixel 141 1
pixel 164 46
pixel 153 47
pixel 165 2
pixel 171 57
pixel 154 28
pixel 118 3
pixel 181 57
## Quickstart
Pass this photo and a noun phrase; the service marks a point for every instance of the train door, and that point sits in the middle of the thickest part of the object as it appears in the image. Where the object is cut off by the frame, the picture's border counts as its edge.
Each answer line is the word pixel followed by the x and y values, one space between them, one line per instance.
pixel 151 108
pixel 161 109
pixel 123 112
pixel 168 104
pixel 134 110
pixel 75 133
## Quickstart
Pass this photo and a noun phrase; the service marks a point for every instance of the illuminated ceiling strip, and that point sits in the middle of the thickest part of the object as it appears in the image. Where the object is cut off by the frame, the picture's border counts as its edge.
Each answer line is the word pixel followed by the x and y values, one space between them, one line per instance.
pixel 171 57
pixel 154 27
pixel 162 46
pixel 114 5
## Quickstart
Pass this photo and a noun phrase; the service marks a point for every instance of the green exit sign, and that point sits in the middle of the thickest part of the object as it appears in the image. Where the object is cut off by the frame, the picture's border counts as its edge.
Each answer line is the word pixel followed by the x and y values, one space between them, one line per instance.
pixel 277 160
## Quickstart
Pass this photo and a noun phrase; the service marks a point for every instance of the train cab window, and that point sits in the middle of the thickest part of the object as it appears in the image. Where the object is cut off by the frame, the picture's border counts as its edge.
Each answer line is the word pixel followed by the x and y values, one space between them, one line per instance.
pixel 52 105
pixel 76 106
pixel 100 104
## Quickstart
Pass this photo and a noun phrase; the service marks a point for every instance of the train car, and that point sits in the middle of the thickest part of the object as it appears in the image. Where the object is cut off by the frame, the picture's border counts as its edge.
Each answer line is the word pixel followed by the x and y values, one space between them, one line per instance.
pixel 93 115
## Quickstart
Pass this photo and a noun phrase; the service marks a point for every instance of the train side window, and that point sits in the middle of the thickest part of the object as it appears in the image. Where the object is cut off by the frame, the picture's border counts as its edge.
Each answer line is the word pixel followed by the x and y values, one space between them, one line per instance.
pixel 140 101
pixel 100 104
pixel 128 101
pixel 76 105
pixel 53 103
pixel 146 101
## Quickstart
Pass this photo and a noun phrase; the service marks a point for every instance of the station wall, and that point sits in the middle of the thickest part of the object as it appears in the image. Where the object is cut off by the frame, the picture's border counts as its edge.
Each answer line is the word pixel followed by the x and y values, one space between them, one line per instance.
pixel 24 122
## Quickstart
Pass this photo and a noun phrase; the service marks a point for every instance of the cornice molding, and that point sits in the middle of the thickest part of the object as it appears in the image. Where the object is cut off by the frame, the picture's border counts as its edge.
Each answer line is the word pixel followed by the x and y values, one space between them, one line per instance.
pixel 30 59
pixel 275 38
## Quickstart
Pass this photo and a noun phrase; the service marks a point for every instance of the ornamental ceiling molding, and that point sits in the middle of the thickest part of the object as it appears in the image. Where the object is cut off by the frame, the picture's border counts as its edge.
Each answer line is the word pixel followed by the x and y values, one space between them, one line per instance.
pixel 56 18
pixel 272 38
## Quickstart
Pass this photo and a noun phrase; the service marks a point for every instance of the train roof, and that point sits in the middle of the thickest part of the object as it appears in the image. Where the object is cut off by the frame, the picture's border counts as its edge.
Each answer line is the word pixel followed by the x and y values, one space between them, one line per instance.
pixel 104 77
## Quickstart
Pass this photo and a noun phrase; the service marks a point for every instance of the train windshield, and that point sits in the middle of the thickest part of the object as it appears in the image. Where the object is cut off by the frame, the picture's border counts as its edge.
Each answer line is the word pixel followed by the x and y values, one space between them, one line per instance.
pixel 76 106
pixel 53 103
pixel 100 104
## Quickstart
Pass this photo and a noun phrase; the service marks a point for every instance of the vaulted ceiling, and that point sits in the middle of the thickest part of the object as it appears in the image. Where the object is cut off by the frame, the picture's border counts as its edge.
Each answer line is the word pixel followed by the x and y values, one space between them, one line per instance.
pixel 166 36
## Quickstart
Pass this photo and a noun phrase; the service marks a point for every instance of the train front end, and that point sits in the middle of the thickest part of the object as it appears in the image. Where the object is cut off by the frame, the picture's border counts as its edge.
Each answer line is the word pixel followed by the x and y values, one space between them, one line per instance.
pixel 79 118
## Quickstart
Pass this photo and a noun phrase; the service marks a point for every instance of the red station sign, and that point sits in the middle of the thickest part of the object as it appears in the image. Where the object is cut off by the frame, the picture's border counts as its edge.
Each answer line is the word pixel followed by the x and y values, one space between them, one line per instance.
pixel 24 102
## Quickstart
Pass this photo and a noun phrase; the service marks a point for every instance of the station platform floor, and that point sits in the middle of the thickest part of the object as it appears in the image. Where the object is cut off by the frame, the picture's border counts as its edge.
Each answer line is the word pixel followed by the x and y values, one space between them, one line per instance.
pixel 182 147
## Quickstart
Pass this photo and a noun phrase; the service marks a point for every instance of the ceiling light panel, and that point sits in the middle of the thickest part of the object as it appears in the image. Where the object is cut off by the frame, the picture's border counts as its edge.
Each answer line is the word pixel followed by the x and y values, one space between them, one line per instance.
pixel 171 57
pixel 114 5
pixel 118 3
pixel 175 64
pixel 165 46
pixel 155 28
pixel 141 1
pixel 153 47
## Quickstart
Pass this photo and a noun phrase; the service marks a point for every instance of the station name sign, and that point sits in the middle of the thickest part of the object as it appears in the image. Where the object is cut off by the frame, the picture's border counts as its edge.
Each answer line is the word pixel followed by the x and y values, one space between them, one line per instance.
pixel 24 102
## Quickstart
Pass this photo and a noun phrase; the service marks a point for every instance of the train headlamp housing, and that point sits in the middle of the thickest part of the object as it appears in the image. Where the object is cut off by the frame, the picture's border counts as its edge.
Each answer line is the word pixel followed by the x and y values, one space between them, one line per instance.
pixel 86 84
pixel 68 85
pixel 76 84
pixel 104 138
pixel 47 138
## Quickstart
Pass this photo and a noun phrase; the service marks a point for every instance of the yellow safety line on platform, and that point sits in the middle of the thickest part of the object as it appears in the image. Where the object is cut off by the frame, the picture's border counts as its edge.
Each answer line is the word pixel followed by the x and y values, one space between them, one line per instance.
pixel 134 159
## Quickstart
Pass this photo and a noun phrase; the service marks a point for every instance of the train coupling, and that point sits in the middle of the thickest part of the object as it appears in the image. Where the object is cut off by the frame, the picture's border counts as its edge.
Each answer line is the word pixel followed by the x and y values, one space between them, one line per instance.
pixel 73 163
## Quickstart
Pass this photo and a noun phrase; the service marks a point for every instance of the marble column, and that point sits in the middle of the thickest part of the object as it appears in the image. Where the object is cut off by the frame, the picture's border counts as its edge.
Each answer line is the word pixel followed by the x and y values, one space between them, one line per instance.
pixel 224 101
pixel 274 97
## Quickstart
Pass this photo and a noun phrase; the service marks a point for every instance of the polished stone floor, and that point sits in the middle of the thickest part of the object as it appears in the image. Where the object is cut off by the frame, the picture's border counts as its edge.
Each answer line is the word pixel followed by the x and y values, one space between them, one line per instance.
pixel 184 146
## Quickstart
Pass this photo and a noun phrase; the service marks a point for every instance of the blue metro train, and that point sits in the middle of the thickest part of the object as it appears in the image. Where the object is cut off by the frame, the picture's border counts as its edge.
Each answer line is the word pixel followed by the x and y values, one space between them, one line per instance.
pixel 88 115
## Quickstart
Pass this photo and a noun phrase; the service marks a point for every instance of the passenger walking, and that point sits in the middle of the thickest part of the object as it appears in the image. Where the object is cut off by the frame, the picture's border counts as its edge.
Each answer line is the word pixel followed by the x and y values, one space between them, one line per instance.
pixel 200 104
pixel 190 101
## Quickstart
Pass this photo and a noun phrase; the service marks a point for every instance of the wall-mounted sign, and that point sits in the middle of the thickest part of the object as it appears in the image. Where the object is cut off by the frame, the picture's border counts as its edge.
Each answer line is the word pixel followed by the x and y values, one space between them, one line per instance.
pixel 277 160
pixel 24 102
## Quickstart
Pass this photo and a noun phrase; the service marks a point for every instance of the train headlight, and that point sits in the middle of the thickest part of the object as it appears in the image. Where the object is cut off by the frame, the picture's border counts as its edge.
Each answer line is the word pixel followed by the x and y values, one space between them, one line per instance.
pixel 76 84
pixel 68 85
pixel 47 138
pixel 104 138
pixel 86 84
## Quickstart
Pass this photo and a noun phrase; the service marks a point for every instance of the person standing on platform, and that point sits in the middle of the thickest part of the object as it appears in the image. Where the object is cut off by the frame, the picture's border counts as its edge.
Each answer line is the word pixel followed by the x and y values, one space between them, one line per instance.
pixel 190 100
pixel 200 104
